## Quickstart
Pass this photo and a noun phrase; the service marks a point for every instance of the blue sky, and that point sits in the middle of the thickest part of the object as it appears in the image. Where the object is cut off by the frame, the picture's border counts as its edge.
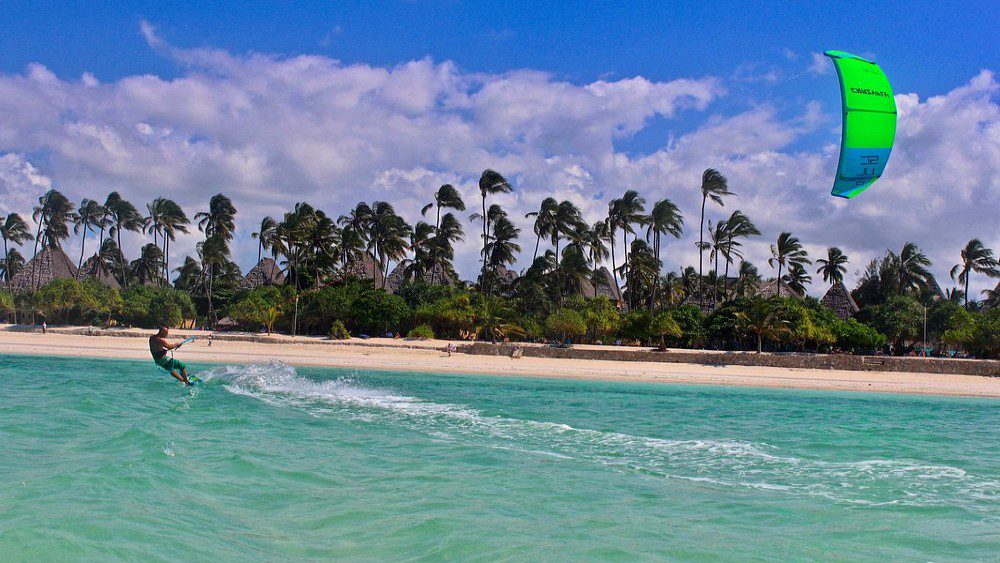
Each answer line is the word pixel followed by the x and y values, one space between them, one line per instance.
pixel 582 98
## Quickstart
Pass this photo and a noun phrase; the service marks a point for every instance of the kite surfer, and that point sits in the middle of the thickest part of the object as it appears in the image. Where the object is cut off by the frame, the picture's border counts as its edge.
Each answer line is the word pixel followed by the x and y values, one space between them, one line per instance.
pixel 160 347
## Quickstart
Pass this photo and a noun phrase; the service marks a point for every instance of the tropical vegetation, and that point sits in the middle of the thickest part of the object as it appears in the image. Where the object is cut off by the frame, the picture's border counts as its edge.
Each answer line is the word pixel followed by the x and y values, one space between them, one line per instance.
pixel 329 275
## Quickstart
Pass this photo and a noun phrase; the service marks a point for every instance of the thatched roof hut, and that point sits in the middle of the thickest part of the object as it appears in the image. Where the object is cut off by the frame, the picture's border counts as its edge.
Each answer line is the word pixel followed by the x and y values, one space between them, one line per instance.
pixel 365 268
pixel 266 272
pixel 94 268
pixel 396 278
pixel 838 299
pixel 769 288
pixel 606 286
pixel 49 264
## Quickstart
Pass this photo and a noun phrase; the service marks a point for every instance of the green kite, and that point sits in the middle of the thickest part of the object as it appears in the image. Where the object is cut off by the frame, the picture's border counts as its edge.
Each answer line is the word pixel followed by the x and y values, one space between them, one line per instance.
pixel 869 123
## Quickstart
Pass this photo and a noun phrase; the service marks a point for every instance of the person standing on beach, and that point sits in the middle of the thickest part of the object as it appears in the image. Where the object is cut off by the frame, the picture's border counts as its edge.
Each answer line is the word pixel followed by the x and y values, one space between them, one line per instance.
pixel 159 346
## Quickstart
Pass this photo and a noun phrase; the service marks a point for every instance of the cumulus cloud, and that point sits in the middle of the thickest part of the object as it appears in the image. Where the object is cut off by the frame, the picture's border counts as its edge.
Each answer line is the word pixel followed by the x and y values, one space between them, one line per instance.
pixel 270 131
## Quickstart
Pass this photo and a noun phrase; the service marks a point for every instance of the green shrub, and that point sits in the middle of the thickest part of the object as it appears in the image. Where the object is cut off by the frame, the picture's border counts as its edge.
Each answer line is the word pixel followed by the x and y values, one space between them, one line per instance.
pixel 151 307
pixel 662 326
pixel 422 332
pixel 338 331
pixel 978 333
pixel 374 312
pixel 856 337
pixel 6 302
pixel 566 323
pixel 72 301
pixel 262 306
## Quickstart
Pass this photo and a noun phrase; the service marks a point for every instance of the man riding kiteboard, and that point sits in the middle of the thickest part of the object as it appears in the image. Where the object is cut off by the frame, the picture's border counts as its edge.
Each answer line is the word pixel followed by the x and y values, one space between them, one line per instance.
pixel 159 347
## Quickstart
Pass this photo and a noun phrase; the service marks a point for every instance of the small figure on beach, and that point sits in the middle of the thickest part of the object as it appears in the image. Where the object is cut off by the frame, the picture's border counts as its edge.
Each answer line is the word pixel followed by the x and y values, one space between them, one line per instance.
pixel 449 348
pixel 160 347
pixel 45 327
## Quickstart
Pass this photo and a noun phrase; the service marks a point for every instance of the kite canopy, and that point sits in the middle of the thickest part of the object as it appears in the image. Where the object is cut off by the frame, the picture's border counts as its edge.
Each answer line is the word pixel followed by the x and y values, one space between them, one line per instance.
pixel 869 123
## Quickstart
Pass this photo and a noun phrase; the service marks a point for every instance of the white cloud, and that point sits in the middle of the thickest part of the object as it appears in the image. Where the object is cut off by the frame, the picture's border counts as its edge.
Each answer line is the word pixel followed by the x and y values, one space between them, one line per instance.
pixel 819 64
pixel 270 131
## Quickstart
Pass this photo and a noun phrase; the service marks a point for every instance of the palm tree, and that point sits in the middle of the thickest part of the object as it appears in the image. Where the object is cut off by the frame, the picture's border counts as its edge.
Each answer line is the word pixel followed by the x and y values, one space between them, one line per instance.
pixel 491 182
pixel 219 219
pixel 264 235
pixel 797 277
pixel 90 214
pixel 747 279
pixel 148 266
pixel 502 248
pixel 174 221
pixel 593 240
pixel 387 236
pixel 122 216
pixel 832 267
pixel 908 271
pixel 53 215
pixel 11 264
pixel 665 218
pixel 626 212
pixel 565 222
pixel 975 258
pixel 13 230
pixel 166 218
pixel 218 224
pixel 764 319
pixel 714 186
pixel 788 250
pixel 544 221
pixel 446 197
pixel 738 226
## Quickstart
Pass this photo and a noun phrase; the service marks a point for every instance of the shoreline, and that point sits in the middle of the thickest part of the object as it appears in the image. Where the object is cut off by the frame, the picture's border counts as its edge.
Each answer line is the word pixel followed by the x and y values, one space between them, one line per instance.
pixel 427 356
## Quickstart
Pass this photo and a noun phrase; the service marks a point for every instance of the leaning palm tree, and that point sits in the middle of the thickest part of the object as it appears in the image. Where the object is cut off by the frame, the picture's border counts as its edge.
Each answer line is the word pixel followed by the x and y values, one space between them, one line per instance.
pixel 623 214
pixel 664 219
pixel 122 216
pixel 908 271
pixel 89 215
pixel 53 215
pixel 833 266
pixel 714 186
pixel 491 182
pixel 174 221
pixel 738 226
pixel 797 277
pixel 788 250
pixel 387 236
pixel 11 264
pixel 446 197
pixel 975 258
pixel 13 230
pixel 264 234
pixel 219 219
pixel 544 221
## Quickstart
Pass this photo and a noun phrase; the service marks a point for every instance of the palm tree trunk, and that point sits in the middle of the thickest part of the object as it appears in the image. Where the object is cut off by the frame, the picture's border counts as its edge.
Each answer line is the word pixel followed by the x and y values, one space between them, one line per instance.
pixel 118 233
pixel 701 243
pixel 482 274
pixel 6 263
pixel 778 285
pixel 967 276
pixel 614 264
pixel 725 277
pixel 538 240
pixel 83 249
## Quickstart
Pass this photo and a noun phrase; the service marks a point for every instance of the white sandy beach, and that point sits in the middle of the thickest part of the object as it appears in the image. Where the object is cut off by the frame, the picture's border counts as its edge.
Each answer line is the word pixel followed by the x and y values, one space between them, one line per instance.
pixel 385 354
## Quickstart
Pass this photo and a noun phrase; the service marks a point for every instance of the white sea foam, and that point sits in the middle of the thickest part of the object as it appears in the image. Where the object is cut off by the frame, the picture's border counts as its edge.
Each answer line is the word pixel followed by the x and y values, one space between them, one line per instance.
pixel 726 463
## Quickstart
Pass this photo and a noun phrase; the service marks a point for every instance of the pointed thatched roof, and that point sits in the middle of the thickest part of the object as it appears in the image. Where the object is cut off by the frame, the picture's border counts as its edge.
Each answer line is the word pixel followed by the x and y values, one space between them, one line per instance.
pixel 94 268
pixel 365 268
pixel 838 299
pixel 769 288
pixel 49 264
pixel 606 286
pixel 396 278
pixel 994 299
pixel 266 272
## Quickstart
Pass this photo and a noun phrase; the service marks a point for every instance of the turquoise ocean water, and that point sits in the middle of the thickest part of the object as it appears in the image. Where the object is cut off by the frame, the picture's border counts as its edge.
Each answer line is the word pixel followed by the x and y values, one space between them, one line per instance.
pixel 109 460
